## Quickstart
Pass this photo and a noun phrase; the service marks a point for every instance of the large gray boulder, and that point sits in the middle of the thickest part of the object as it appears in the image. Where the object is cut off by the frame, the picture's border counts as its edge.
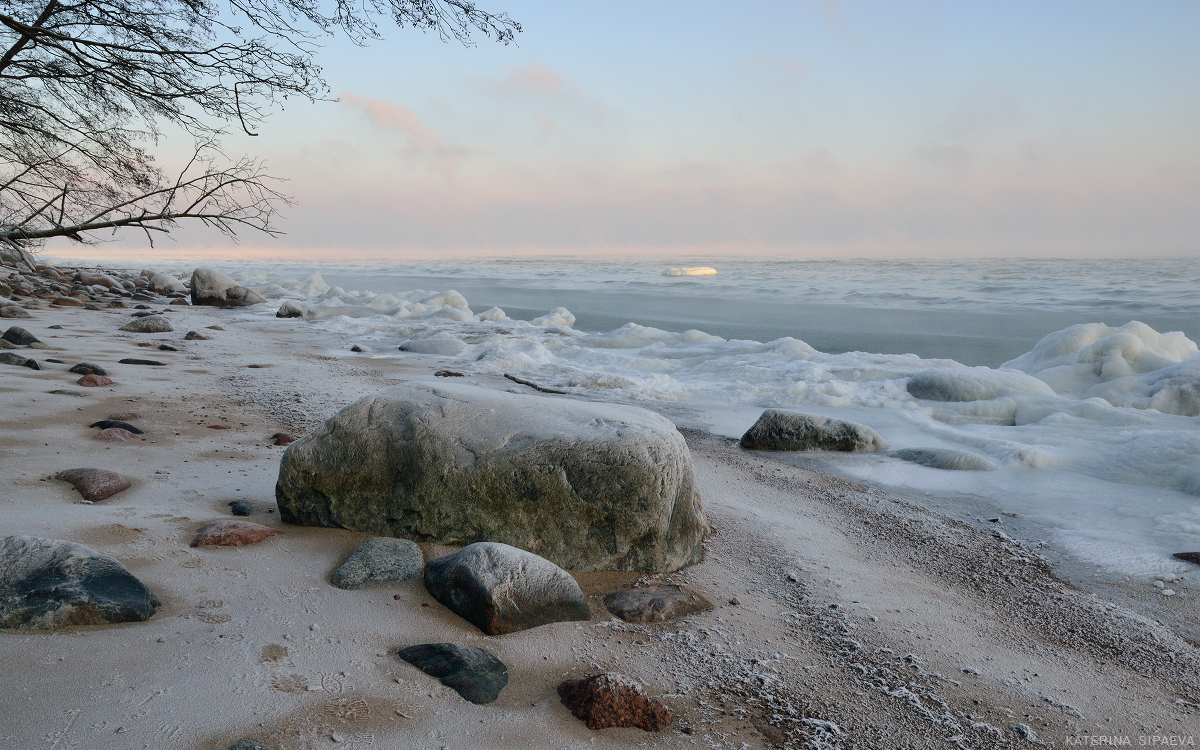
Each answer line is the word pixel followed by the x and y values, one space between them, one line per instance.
pixel 587 486
pixel 214 288
pixel 48 583
pixel 501 589
pixel 779 430
pixel 165 283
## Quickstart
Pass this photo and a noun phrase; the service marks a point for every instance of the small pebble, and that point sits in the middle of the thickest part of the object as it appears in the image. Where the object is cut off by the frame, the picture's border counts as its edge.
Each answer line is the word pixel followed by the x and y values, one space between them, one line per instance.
pixel 734 601
pixel 1168 592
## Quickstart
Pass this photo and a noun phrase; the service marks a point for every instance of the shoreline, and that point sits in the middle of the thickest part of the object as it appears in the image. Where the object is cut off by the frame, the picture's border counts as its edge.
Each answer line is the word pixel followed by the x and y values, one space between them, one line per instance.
pixel 859 612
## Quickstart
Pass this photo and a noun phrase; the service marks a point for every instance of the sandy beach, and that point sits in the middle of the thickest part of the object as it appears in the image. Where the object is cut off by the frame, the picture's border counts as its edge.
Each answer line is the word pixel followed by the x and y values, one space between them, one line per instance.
pixel 846 615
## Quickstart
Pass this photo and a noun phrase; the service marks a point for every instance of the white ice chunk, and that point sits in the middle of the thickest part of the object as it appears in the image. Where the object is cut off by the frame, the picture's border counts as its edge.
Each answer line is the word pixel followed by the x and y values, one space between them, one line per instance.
pixel 696 271
pixel 559 316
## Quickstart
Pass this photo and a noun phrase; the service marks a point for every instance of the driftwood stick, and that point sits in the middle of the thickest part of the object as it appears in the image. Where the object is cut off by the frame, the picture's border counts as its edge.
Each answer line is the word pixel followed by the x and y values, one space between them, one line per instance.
pixel 533 385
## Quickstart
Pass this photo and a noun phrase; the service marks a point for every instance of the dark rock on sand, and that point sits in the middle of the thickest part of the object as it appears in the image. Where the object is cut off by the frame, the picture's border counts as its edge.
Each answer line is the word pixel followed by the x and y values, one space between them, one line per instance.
pixel 1192 557
pixel 67 302
pixel 473 673
pixel 216 327
pixel 104 424
pixel 65 392
pixel 229 533
pixel 196 336
pixel 10 358
pixel 55 327
pixel 179 301
pixel 240 508
pixel 249 743
pixel 149 324
pixel 656 603
pixel 613 700
pixel 448 374
pixel 136 361
pixel 14 311
pixel 502 589
pixel 94 381
pixel 588 486
pixel 778 430
pixel 167 348
pixel 211 287
pixel 87 368
pixel 55 361
pixel 94 485
pixel 282 438
pixel 945 458
pixel 380 559
pixel 48 583
pixel 19 336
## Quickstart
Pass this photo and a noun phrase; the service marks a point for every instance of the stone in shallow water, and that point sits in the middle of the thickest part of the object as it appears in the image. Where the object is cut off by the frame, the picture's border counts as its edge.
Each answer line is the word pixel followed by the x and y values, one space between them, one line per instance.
pixel 380 559
pixel 49 583
pixel 87 368
pixel 656 603
pixel 94 485
pixel 778 430
pixel 502 589
pixel 19 336
pixel 473 673
pixel 613 700
pixel 588 486
pixel 945 458
pixel 230 533
pixel 94 381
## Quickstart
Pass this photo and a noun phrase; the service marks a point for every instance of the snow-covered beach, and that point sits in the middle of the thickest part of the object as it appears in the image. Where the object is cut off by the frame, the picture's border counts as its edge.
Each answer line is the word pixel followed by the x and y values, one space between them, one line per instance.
pixel 879 602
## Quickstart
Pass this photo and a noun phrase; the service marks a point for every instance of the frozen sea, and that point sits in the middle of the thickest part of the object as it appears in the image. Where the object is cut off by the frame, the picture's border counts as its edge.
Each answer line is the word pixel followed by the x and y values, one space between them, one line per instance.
pixel 1077 381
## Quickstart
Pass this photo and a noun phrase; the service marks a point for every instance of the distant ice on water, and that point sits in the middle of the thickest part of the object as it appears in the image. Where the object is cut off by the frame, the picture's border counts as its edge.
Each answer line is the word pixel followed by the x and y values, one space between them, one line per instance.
pixel 697 271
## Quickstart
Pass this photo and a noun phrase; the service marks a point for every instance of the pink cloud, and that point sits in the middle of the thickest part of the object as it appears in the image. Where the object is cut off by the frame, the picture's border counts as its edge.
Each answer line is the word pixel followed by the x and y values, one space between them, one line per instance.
pixel 533 80
pixel 422 142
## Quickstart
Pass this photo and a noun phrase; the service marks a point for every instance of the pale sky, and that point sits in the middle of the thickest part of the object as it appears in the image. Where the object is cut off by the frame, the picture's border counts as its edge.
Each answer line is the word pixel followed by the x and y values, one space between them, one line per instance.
pixel 784 129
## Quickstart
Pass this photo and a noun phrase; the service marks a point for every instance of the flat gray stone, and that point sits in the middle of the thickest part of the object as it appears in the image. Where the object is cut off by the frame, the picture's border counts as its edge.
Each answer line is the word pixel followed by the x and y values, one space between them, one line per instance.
pixel 249 743
pixel 945 458
pixel 87 368
pixel 380 559
pixel 778 430
pixel 473 673
pixel 48 583
pixel 502 589
pixel 656 603
pixel 588 486
pixel 149 324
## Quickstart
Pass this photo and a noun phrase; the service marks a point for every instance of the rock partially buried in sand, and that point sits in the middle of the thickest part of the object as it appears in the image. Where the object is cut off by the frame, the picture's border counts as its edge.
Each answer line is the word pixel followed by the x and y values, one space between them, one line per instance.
pixel 49 583
pixel 94 485
pixel 104 424
pixel 10 358
pixel 945 458
pixel 502 589
pixel 613 700
pixel 211 287
pixel 380 559
pixel 14 311
pixel 240 508
pixel 588 486
pixel 473 673
pixel 249 743
pixel 149 324
pixel 656 603
pixel 87 368
pixel 230 533
pixel 19 336
pixel 196 336
pixel 68 302
pixel 136 361
pixel 65 392
pixel 94 381
pixel 282 438
pixel 778 430
pixel 116 435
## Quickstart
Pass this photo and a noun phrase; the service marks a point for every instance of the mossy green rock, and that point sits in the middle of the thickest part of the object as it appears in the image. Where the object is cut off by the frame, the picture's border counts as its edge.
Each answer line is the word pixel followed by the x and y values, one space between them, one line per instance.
pixel 587 486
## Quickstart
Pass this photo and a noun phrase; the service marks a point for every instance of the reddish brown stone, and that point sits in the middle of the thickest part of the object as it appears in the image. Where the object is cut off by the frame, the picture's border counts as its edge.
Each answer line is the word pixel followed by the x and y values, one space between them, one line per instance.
pixel 218 427
pixel 94 381
pixel 116 435
pixel 68 302
pixel 230 533
pixel 613 700
pixel 94 485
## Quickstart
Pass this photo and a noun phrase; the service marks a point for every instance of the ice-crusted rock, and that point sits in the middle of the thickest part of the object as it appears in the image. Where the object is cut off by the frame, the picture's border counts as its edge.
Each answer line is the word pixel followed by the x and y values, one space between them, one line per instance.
pixel 211 287
pixel 778 430
pixel 559 316
pixel 502 589
pixel 49 583
pixel 380 559
pixel 974 384
pixel 473 673
pixel 588 486
pixel 165 283
pixel 16 257
pixel 296 309
pixel 613 700
pixel 945 458
pixel 149 324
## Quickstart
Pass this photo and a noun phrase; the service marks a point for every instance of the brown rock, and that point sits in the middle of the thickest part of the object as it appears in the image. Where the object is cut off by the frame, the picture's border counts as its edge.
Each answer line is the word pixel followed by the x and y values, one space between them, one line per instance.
pixel 1192 557
pixel 67 302
pixel 218 427
pixel 282 438
pixel 94 485
pixel 94 381
pixel 230 533
pixel 196 336
pixel 116 435
pixel 179 301
pixel 656 603
pixel 613 700
pixel 12 311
